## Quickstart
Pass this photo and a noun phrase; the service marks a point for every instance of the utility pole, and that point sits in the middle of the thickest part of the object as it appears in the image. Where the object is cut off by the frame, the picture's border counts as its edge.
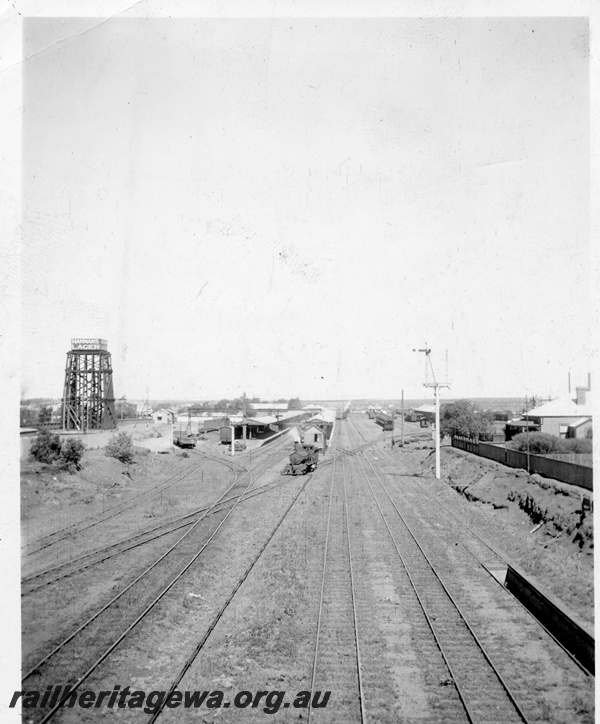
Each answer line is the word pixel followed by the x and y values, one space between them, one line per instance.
pixel 436 388
pixel 527 428
pixel 245 421
pixel 402 421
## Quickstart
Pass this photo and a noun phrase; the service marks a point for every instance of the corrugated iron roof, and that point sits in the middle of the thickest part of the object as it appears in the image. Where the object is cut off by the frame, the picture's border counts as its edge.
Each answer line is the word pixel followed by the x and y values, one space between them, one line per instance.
pixel 425 408
pixel 262 420
pixel 324 416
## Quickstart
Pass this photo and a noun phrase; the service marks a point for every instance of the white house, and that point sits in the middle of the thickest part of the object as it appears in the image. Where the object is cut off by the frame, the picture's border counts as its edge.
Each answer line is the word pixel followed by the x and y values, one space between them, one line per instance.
pixel 556 417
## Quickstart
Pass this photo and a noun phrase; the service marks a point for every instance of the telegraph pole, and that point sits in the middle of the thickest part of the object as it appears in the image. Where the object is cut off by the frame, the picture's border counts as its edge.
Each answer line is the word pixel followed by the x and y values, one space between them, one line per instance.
pixel 527 428
pixel 402 421
pixel 436 388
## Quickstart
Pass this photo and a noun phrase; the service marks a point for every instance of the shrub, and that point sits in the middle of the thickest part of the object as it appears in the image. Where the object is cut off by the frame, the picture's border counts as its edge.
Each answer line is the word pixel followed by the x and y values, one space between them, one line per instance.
pixel 121 448
pixel 538 443
pixel 541 444
pixel 46 447
pixel 71 453
pixel 574 445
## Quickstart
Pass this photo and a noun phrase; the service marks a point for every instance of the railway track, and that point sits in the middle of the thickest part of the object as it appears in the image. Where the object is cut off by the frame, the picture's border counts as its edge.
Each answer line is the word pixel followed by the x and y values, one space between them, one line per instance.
pixel 56 573
pixel 91 635
pixel 82 525
pixel 337 663
pixel 484 693
pixel 39 544
pixel 220 611
pixel 480 550
pixel 48 575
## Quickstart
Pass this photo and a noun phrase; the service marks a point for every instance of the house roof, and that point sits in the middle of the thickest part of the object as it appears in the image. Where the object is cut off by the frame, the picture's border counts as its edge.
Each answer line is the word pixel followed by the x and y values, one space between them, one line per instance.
pixel 565 406
pixel 581 421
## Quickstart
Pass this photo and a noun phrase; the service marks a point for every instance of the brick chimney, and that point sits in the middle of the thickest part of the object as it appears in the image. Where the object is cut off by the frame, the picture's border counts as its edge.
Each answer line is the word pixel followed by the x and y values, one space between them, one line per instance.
pixel 581 391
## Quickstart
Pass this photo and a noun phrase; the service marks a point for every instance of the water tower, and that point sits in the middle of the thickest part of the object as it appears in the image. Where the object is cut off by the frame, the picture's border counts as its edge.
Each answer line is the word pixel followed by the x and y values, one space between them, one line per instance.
pixel 88 397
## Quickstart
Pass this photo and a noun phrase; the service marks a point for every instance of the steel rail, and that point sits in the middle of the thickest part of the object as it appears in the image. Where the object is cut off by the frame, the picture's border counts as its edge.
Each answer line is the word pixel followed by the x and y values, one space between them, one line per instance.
pixel 501 557
pixel 87 622
pixel 173 525
pixel 146 611
pixel 114 510
pixel 143 615
pixel 322 595
pixel 98 551
pixel 363 713
pixel 468 711
pixel 192 657
pixel 326 551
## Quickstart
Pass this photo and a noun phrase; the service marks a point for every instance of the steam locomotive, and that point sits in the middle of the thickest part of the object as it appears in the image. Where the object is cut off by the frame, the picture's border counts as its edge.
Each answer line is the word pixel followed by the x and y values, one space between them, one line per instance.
pixel 303 460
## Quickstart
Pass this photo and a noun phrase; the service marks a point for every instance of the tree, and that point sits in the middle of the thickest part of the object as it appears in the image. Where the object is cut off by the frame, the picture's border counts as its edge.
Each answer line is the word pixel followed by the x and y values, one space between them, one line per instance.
pixel 44 415
pixel 28 418
pixel 46 447
pixel 121 448
pixel 71 453
pixel 464 419
pixel 294 404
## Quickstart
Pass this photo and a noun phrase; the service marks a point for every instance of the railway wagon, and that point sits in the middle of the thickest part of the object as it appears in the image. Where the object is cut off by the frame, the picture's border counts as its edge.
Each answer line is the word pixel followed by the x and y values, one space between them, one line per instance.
pixel 225 435
pixel 303 460
pixel 184 441
pixel 384 420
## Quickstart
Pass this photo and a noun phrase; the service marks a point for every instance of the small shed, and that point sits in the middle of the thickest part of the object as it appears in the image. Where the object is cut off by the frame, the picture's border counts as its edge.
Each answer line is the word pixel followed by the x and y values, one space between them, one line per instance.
pixel 314 435
pixel 164 416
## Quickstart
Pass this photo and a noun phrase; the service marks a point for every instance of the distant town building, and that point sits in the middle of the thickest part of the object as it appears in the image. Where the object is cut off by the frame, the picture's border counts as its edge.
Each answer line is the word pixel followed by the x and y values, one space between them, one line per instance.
pixel 267 408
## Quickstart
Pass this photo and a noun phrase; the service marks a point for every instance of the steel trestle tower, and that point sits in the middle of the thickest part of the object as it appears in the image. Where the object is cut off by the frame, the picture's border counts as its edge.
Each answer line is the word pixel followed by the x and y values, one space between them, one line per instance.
pixel 88 397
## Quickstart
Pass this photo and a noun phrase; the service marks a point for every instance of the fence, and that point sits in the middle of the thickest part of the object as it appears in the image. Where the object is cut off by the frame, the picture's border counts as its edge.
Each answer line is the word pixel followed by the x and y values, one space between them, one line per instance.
pixel 586 459
pixel 566 472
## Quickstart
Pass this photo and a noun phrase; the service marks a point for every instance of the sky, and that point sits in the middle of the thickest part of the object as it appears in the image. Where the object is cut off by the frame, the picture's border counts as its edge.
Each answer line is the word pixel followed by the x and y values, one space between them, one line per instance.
pixel 290 206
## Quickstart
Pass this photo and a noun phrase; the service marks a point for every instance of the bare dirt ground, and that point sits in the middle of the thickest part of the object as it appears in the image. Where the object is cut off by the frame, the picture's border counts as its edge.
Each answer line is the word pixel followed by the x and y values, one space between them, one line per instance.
pixel 265 640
